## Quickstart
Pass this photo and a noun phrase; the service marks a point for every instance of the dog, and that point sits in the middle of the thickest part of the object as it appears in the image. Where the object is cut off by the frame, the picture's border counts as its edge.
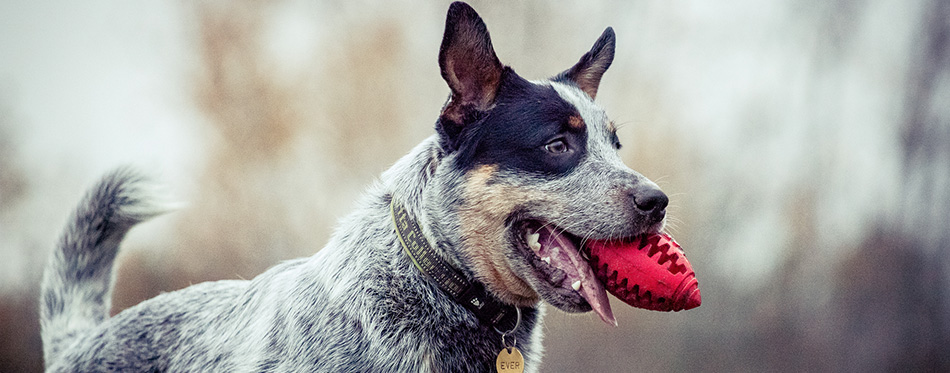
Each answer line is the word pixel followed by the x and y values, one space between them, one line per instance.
pixel 438 269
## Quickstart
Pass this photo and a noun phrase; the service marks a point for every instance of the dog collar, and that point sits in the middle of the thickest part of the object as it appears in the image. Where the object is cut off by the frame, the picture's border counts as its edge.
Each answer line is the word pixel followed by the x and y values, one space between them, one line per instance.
pixel 470 294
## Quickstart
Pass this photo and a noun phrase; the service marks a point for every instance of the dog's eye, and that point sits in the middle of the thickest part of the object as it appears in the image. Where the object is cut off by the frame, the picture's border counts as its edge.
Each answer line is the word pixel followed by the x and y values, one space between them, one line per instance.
pixel 557 147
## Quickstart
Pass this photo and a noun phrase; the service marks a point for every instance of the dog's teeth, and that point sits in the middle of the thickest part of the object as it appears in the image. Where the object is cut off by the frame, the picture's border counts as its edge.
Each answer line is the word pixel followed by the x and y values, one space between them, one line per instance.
pixel 576 285
pixel 546 260
pixel 532 239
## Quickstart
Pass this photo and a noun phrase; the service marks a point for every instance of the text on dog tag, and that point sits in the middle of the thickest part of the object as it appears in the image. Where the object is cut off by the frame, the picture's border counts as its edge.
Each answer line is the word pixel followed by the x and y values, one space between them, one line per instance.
pixel 509 361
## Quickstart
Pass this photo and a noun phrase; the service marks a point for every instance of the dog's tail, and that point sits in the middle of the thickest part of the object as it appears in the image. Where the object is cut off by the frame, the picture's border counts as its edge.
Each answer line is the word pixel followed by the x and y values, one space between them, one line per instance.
pixel 77 283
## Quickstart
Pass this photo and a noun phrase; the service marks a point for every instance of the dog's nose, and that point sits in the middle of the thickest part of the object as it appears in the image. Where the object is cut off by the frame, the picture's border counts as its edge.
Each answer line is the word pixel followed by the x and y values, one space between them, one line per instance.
pixel 652 202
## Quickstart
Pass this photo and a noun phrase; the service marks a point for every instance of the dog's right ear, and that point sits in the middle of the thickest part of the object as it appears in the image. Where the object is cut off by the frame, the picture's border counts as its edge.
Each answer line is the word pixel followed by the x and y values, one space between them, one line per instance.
pixel 471 69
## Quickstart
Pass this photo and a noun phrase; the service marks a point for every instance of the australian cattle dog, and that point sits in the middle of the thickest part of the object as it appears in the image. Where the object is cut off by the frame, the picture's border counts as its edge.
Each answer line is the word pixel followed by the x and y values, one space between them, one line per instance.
pixel 437 269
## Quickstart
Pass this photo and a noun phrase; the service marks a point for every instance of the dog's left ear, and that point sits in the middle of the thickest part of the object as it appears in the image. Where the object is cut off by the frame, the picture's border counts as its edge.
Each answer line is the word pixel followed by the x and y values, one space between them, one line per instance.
pixel 470 67
pixel 587 72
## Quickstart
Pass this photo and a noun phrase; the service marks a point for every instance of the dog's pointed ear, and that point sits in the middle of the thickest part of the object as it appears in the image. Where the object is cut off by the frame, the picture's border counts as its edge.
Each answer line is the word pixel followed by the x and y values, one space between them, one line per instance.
pixel 587 72
pixel 469 66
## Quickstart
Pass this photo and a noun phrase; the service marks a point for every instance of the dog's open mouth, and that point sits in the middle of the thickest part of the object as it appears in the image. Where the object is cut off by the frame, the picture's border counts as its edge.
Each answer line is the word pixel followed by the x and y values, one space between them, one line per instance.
pixel 647 271
pixel 558 258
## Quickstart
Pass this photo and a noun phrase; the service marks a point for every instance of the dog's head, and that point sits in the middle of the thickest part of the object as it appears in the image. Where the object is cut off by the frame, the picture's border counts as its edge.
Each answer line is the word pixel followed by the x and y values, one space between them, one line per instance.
pixel 530 171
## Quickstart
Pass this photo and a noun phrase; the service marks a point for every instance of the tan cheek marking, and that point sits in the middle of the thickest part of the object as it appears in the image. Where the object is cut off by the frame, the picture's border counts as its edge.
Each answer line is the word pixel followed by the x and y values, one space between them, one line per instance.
pixel 483 232
pixel 611 127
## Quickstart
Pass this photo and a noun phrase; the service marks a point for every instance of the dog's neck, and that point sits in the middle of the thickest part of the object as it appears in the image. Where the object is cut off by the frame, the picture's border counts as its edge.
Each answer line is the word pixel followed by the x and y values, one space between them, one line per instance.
pixel 367 247
pixel 470 293
pixel 414 183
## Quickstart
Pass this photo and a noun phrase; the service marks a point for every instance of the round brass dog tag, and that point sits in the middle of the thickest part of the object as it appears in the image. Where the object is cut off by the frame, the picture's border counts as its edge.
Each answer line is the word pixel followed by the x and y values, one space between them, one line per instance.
pixel 510 361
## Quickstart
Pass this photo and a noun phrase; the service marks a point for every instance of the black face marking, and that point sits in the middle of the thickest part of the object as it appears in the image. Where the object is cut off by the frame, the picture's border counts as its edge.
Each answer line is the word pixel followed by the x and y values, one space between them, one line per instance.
pixel 531 128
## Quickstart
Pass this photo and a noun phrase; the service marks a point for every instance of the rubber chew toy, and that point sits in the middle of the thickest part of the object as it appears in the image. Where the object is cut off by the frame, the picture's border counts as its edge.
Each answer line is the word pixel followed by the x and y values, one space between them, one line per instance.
pixel 649 272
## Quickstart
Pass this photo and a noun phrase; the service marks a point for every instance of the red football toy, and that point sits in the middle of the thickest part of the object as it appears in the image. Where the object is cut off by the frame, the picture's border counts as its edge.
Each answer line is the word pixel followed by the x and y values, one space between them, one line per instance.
pixel 649 271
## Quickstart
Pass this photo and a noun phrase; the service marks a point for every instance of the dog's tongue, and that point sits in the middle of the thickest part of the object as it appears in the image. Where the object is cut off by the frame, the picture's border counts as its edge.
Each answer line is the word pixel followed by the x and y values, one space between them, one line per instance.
pixel 564 255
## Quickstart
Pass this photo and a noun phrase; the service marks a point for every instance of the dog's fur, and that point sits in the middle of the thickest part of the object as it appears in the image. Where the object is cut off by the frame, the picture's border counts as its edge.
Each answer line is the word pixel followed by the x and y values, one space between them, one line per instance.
pixel 507 152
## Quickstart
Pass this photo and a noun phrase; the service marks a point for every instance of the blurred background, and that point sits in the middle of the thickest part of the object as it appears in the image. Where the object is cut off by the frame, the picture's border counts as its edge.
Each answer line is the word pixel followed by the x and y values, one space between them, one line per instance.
pixel 805 146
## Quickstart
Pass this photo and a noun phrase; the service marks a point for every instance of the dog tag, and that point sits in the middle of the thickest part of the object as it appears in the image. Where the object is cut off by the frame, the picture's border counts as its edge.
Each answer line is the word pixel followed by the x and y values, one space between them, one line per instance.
pixel 510 361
